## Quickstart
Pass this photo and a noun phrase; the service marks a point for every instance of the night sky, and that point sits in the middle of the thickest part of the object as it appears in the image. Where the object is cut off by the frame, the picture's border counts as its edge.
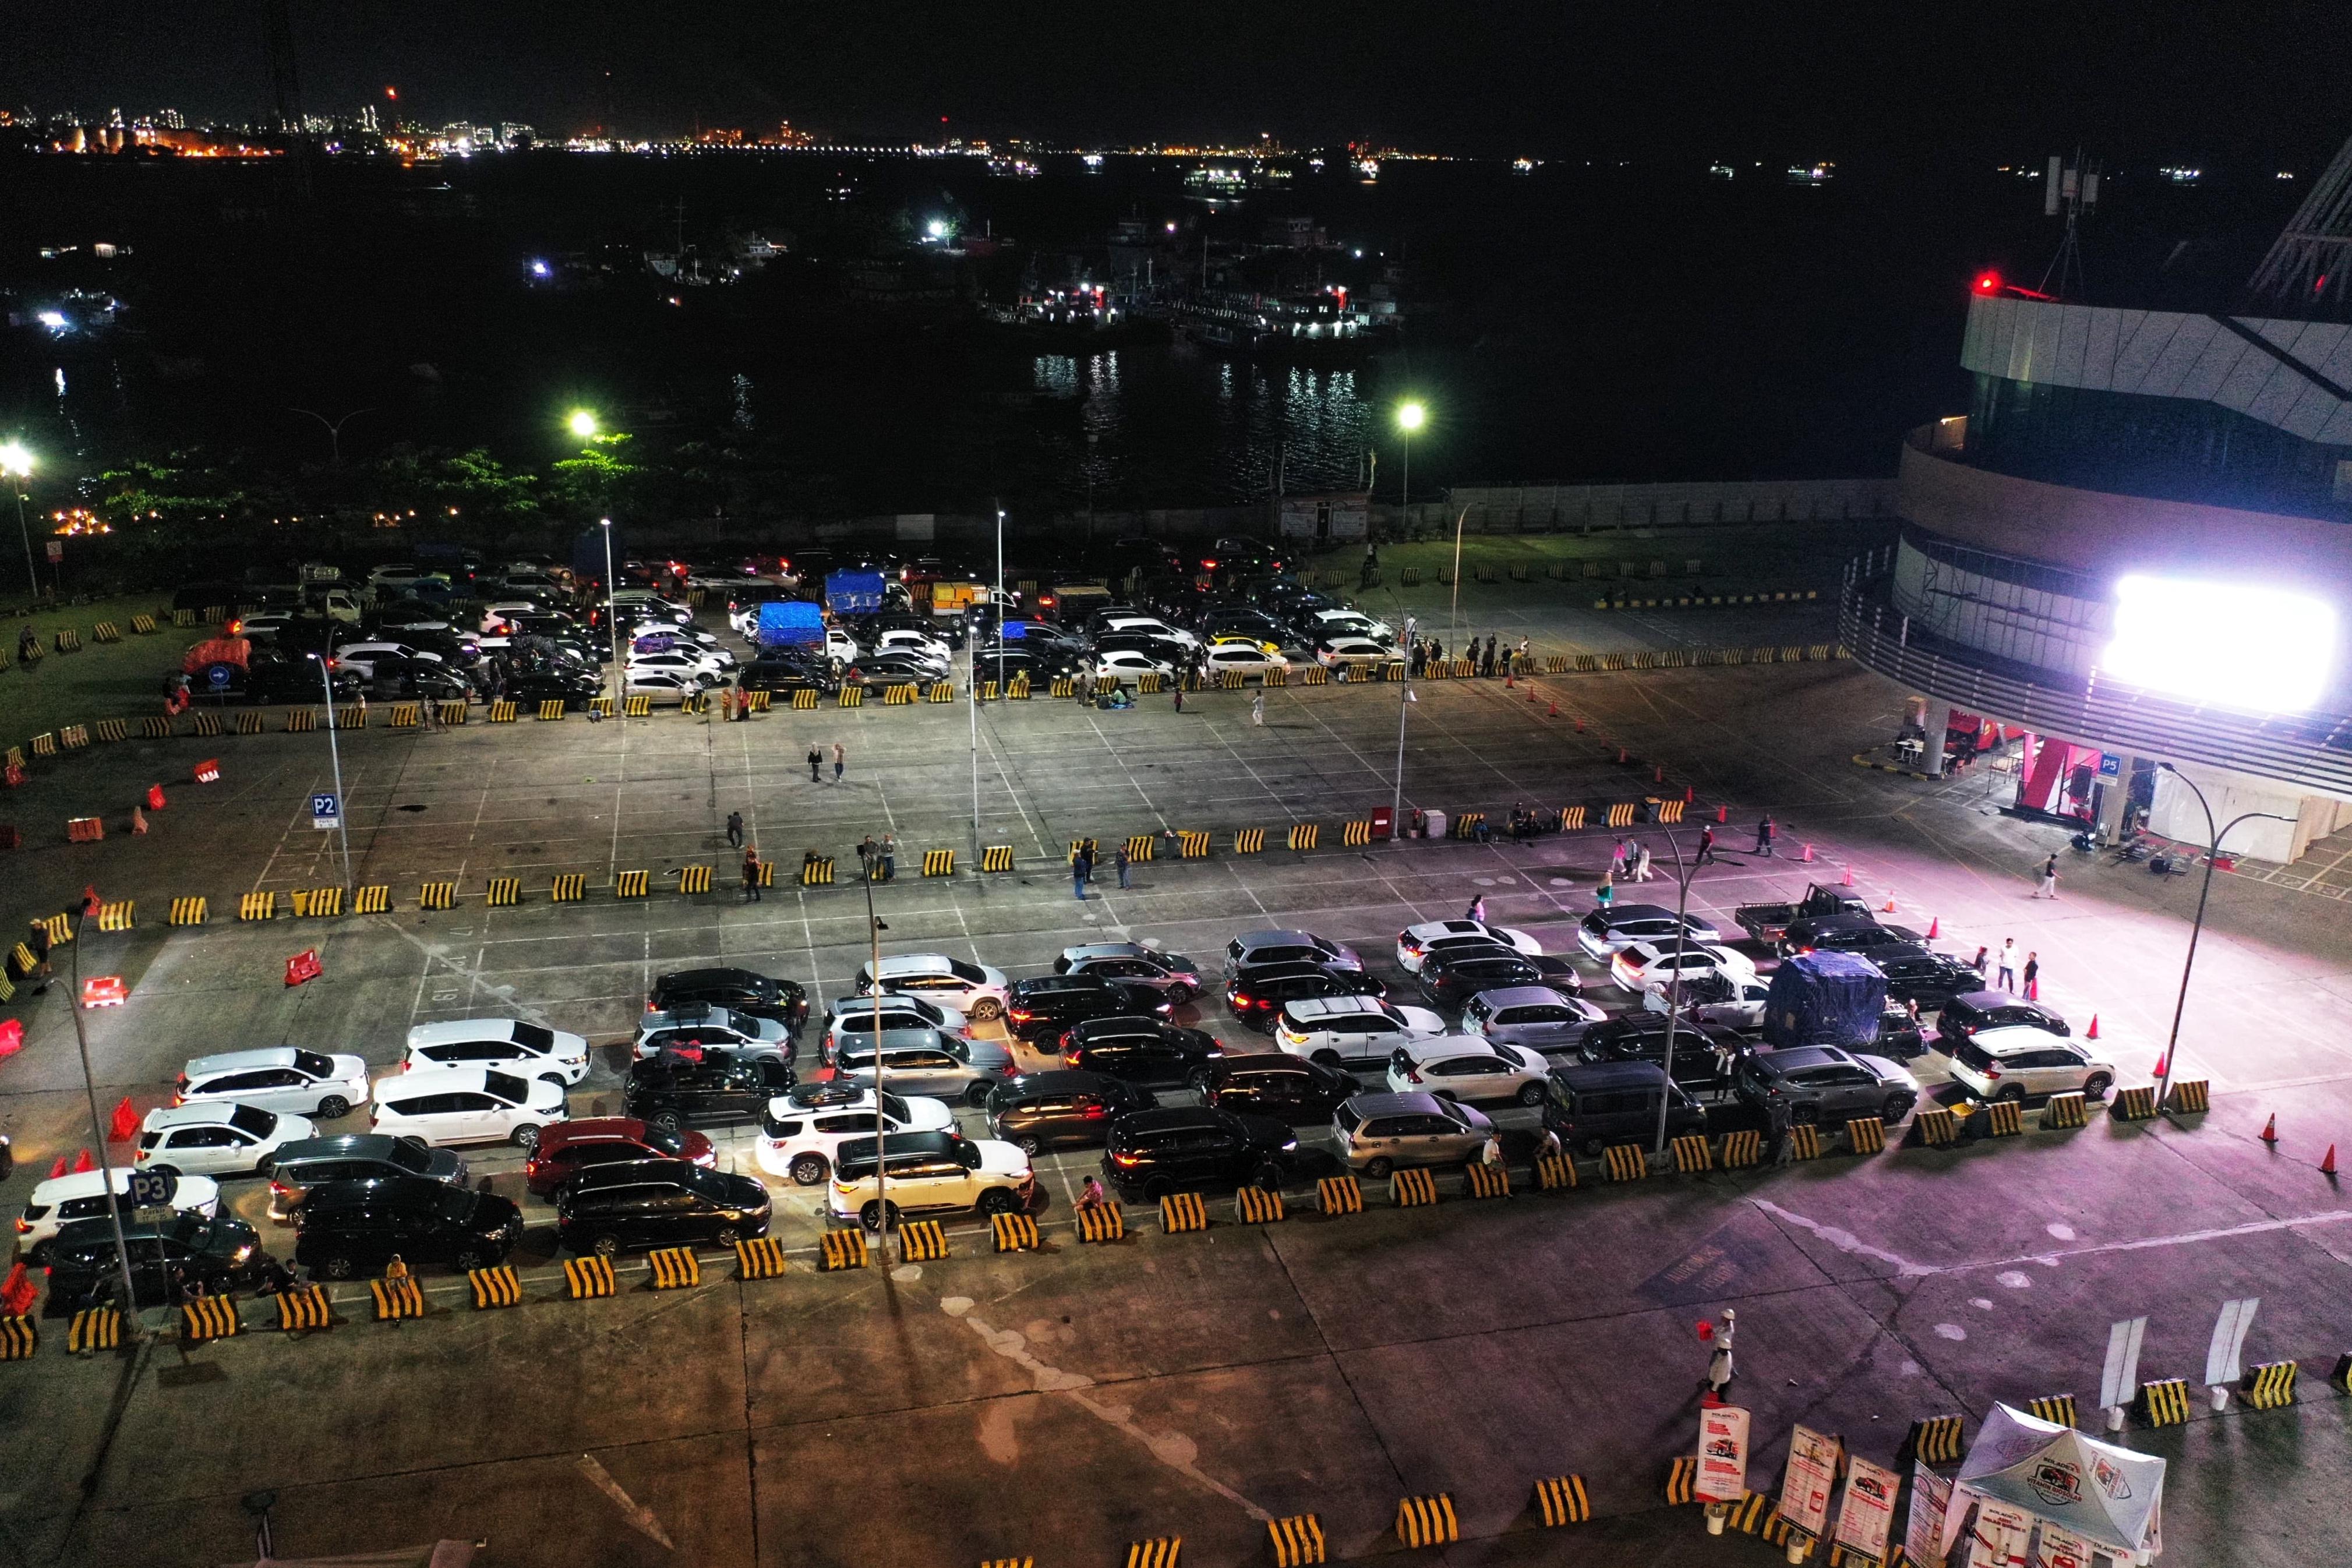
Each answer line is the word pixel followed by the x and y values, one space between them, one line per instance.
pixel 2153 82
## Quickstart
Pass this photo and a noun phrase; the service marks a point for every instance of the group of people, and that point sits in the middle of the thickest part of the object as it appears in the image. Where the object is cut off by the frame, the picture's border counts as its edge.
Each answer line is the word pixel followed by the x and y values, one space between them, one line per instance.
pixel 1082 867
pixel 2019 980
pixel 1430 654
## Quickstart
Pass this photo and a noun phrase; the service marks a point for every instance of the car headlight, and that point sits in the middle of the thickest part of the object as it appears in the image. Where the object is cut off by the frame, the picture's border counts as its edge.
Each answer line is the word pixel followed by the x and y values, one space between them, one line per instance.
pixel 242 1253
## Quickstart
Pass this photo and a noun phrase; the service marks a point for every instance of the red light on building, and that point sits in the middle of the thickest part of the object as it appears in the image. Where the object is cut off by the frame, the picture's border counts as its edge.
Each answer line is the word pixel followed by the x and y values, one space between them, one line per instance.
pixel 1988 282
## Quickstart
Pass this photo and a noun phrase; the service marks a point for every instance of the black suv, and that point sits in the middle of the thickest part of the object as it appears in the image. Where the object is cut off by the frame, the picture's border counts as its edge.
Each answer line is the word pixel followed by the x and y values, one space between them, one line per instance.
pixel 737 990
pixel 1275 1085
pixel 1043 1007
pixel 1703 1052
pixel 1137 1050
pixel 768 673
pixel 1256 994
pixel 1822 1084
pixel 1450 979
pixel 1053 1110
pixel 1154 1152
pixel 659 1202
pixel 1964 1014
pixel 1849 934
pixel 345 1229
pixel 668 1091
pixel 170 1259
pixel 1930 979
pixel 1592 1107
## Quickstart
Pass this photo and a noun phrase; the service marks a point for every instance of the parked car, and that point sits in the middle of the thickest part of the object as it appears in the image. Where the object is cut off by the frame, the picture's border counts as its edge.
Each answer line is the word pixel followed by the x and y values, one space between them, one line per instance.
pixel 569 1148
pixel 1171 974
pixel 1971 1011
pixel 1930 979
pixel 854 1017
pixel 1768 923
pixel 699 1023
pixel 1603 932
pixel 1851 934
pixel 215 1140
pixel 1826 1085
pixel 1466 1066
pixel 170 1260
pixel 1248 659
pixel 1137 1049
pixel 2017 1061
pixel 803 1129
pixel 1705 1055
pixel 659 1202
pixel 1638 965
pixel 1415 942
pixel 924 1061
pixel 1043 1007
pixel 1121 665
pixel 1257 995
pixel 737 990
pixel 348 1228
pixel 1274 1084
pixel 1590 1107
pixel 1058 1108
pixel 81 1195
pixel 1541 1018
pixel 668 1091
pixel 929 1173
pixel 976 990
pixel 1736 1001
pixel 1333 650
pixel 466 1105
pixel 555 1055
pixel 1151 1153
pixel 275 1078
pixel 1379 1133
pixel 1253 948
pixel 1350 1031
pixel 353 1157
pixel 1451 979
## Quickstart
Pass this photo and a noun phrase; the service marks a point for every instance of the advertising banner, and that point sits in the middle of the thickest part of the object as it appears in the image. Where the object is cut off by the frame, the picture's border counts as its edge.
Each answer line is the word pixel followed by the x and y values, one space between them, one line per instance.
pixel 1722 1455
pixel 1998 1539
pixel 2058 1547
pixel 1923 1533
pixel 1868 1514
pixel 1806 1485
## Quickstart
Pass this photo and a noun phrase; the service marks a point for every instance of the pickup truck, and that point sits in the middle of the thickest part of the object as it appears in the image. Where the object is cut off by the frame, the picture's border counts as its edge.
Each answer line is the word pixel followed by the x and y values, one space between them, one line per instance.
pixel 1769 923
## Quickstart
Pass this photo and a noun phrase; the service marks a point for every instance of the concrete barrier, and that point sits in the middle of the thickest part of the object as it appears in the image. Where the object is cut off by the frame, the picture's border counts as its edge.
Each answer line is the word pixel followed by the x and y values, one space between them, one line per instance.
pixel 1256 1205
pixel 1338 1195
pixel 19 1337
pixel 2270 1384
pixel 1682 1481
pixel 494 1288
pixel 551 707
pixel 2134 1104
pixel 1935 1126
pixel 405 715
pixel 1691 1153
pixel 94 1329
pixel 804 699
pixel 568 887
pixel 1865 1134
pixel 1305 835
pixel 2065 1111
pixel 1624 1162
pixel 502 711
pixel 939 862
pixel 2058 1408
pixel 1738 1151
pixel 996 857
pixel 1141 847
pixel 1427 1521
pixel 921 1241
pixel 633 885
pixel 1014 1232
pixel 187 913
pixel 1297 1540
pixel 1621 815
pixel 816 871
pixel 1466 825
pixel 1805 1143
pixel 1103 1223
pixel 944 691
pixel 142 625
pixel 694 879
pixel 396 1297
pixel 114 729
pixel 505 892
pixel 317 903
pixel 899 696
pixel 2003 1119
pixel 1555 1173
pixel 2164 1403
pixel 375 899
pixel 437 895
pixel 2189 1097
pixel 674 1267
pixel 1933 1440
pixel 117 915
pixel 841 1250
pixel 300 720
pixel 1249 841
pixel 1159 1553
pixel 636 707
pixel 760 1257
pixel 1562 1500
pixel 256 907
pixel 586 1279
pixel 1191 844
pixel 209 1318
pixel 1181 1211
pixel 1487 1180
pixel 453 714
pixel 1356 834
pixel 1413 1189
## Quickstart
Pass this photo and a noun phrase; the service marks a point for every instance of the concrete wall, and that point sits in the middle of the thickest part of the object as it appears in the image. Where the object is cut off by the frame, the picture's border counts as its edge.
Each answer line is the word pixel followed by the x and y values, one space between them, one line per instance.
pixel 2175 814
pixel 1549 508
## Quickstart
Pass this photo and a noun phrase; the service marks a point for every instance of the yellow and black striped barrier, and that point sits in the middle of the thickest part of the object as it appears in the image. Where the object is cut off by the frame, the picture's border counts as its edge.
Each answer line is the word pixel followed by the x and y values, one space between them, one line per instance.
pixel 45 744
pixel 1090 845
pixel 2056 1408
pixel 944 691
pixel 1141 847
pixel 19 1337
pixel 1621 815
pixel 1427 1521
pixel 59 927
pixel 405 715
pixel 1014 1232
pixel 351 716
pixel 898 696
pixel 74 737
pixel 850 695
pixel 502 711
pixel 694 704
pixel 94 1329
pixel 318 903
pixel 694 879
pixel 551 707
pixel 1314 675
pixel 1305 835
pixel 639 707
pixel 1555 1173
pixel 988 691
pixel 1682 1481
pixel 1159 1553
pixel 1804 1141
pixel 760 1257
pixel 1670 811
pixel 1933 1440
pixel 804 699
pixel 437 895
pixel 674 1267
pixel 841 1250
pixel 569 888
pixel 921 1241
pixel 1562 1500
pixel 1149 684
pixel 633 885
pixel 505 892
pixel 256 907
pixel 114 729
pixel 1064 686
pixel 816 871
pixel 1338 1195
pixel 2270 1384
pixel 208 1318
pixel 142 625
pixel 396 1297
pixel 1487 1180
pixel 754 702
pixel 299 721
pixel 188 911
pixel 2189 1097
pixel 494 1288
pixel 1297 1540
pixel 1624 1162
pixel 1738 1151
pixel 1275 675
pixel 1191 844
pixel 1356 834
pixel 2134 1104
pixel 586 1279
pixel 1257 1206
pixel 2066 1111
pixel 1103 1222
pixel 1691 1153
pixel 1411 1189
pixel 2164 1403
pixel 453 714
pixel 1865 1134
pixel 2003 1117
pixel 375 899
pixel 996 857
pixel 1249 841
pixel 1466 825
pixel 939 862
pixel 1935 1126
pixel 1571 818
pixel 154 729
pixel 117 915
pixel 1181 1212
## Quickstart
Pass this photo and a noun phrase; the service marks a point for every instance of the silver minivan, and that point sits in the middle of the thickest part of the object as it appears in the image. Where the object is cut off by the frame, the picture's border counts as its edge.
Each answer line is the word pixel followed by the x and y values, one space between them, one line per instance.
pixel 1535 1016
pixel 1383 1133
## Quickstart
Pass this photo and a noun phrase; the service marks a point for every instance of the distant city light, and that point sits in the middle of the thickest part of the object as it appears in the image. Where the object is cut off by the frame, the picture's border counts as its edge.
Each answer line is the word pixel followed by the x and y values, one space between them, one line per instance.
pixel 539 269
pixel 581 424
pixel 53 320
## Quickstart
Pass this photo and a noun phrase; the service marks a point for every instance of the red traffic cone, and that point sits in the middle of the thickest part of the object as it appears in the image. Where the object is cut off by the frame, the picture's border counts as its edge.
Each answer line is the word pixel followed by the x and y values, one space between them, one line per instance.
pixel 1658 775
pixel 1580 726
pixel 155 797
pixel 1690 794
pixel 303 966
pixel 123 1125
pixel 2163 1066
pixel 137 820
pixel 1846 879
pixel 82 1161
pixel 1934 927
pixel 1621 756
pixel 1555 713
pixel 2328 1166
pixel 1508 680
pixel 20 1293
pixel 2093 1032
pixel 1723 813
pixel 58 1169
pixel 2270 1129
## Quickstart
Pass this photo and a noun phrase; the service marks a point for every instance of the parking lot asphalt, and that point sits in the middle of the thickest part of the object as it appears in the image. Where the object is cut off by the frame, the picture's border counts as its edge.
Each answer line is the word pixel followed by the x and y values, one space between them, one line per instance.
pixel 1061 1405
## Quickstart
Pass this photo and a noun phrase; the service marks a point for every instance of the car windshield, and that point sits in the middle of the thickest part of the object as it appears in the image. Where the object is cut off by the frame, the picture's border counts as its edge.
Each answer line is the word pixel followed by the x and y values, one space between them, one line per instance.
pixel 506 1087
pixel 970 974
pixel 410 1154
pixel 533 1036
pixel 455 1203
pixel 312 1064
pixel 247 1119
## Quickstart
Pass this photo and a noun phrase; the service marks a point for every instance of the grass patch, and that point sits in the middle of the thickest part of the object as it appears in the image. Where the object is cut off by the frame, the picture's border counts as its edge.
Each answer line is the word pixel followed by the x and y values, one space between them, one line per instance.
pixel 104 681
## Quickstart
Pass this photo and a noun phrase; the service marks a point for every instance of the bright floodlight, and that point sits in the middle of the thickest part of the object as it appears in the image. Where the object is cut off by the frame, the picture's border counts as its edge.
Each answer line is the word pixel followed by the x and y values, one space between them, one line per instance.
pixel 1411 417
pixel 14 459
pixel 2229 644
pixel 938 229
pixel 583 423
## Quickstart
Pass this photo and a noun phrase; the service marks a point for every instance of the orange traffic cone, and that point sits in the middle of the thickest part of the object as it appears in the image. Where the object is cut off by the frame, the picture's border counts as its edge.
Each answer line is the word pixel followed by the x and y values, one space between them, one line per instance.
pixel 2093 1032
pixel 1555 713
pixel 1888 907
pixel 2328 1166
pixel 137 820
pixel 2270 1129
pixel 1506 680
pixel 58 1169
pixel 1934 927
pixel 82 1161
pixel 155 797
pixel 1846 880
pixel 1621 756
pixel 1580 726
pixel 123 1125
pixel 1658 776
pixel 1690 794
pixel 1723 813
pixel 2163 1066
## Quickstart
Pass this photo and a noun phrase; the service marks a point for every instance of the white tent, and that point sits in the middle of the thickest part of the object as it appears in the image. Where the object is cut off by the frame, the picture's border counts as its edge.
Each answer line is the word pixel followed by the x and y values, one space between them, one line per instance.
pixel 2108 1496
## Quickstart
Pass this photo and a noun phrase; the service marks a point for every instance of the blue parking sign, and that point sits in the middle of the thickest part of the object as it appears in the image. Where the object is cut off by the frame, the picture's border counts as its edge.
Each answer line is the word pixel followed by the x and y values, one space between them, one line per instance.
pixel 325 810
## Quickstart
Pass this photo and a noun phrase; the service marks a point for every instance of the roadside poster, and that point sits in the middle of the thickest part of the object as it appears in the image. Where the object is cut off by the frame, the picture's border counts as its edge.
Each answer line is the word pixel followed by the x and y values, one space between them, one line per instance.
pixel 1868 1514
pixel 1923 1533
pixel 1806 1485
pixel 1722 1455
pixel 1998 1539
pixel 2058 1547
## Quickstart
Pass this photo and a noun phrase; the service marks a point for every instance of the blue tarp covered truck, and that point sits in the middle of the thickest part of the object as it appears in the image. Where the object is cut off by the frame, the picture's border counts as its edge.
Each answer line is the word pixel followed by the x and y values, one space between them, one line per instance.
pixel 853 593
pixel 1825 998
pixel 790 623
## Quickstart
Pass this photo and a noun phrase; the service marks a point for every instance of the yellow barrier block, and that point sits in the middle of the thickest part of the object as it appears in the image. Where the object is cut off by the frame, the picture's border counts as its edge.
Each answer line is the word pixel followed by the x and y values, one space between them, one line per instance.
pixel 2065 1111
pixel 921 1241
pixel 1563 1501
pixel 257 907
pixel 1487 1180
pixel 396 1297
pixel 1147 684
pixel 1682 1479
pixel 1313 675
pixel 1088 844
pixel 1621 815
pixel 1304 835
pixel 2164 1403
pixel 405 715
pixel 1297 1540
pixel 1555 1173
pixel 1191 844
pixel 351 716
pixel 437 895
pixel 1413 1189
pixel 585 1278
pixel 2189 1097
pixel 142 625
pixel 154 729
pixel 303 1311
pixel 1936 1126
pixel 494 1288
pixel 1805 1143
pixel 95 1329
pixel 1339 1195
pixel 1014 1232
pixel 674 1267
pixel 1691 1153
pixel 694 879
pixel 633 885
pixel 640 707
pixel 1257 1206
pixel 1625 1161
pixel 502 711
pixel 1427 1521
pixel 1181 1212
pixel 1865 1134
pixel 816 871
pixel 1104 1222
pixel 996 857
pixel 1063 686
pixel 114 729
pixel 319 903
pixel 208 1318
pixel 1141 847
pixel 2003 1119
pixel 1934 1440
pixel 1356 834
pixel 299 721
pixel 505 892
pixel 1670 811
pixel 939 862
pixel 45 744
pixel 453 714
pixel 841 1250
pixel 569 888
pixel 898 696
pixel 1159 1553
pixel 1738 1151
pixel 1466 825
pixel 2133 1104
pixel 551 707
pixel 2058 1408
pixel 375 899
pixel 850 696
pixel 2270 1384
pixel 944 691
pixel 117 915
pixel 1249 841
pixel 762 1258
pixel 804 699
pixel 187 912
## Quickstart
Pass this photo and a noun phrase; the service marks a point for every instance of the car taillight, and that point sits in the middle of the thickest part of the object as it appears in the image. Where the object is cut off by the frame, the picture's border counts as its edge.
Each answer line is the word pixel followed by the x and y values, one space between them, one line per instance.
pixel 1117 1159
pixel 23 1225
pixel 1093 1112
pixel 1992 1069
pixel 1412 1075
pixel 1020 1015
pixel 1242 999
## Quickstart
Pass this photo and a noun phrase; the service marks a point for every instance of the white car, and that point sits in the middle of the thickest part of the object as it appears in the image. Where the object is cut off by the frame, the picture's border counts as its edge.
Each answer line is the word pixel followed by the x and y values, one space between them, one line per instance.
pixel 1335 651
pixel 551 1054
pixel 1352 623
pixel 665 684
pixel 1151 626
pixel 840 646
pixel 931 1172
pixel 498 619
pixel 851 1019
pixel 466 1105
pixel 800 1132
pixel 1126 664
pixel 362 657
pixel 2019 1059
pixel 1351 1031
pixel 1636 967
pixel 1418 941
pixel 61 1200
pixel 976 990
pixel 1249 658
pixel 907 640
pixel 1467 1067
pixel 679 660
pixel 215 1140
pixel 705 1023
pixel 275 1078
pixel 1735 1004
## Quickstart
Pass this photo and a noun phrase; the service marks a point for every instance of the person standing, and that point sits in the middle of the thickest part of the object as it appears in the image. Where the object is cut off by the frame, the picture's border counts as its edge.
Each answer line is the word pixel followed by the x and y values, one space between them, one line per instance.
pixel 2006 969
pixel 1477 909
pixel 1764 834
pixel 1082 866
pixel 1718 1359
pixel 1705 848
pixel 815 760
pixel 1180 695
pixel 1413 659
pixel 1982 961
pixel 1257 709
pixel 1641 864
pixel 1119 861
pixel 2033 978
pixel 751 875
pixel 889 857
pixel 840 759
pixel 2049 889
pixel 1604 897
pixel 735 830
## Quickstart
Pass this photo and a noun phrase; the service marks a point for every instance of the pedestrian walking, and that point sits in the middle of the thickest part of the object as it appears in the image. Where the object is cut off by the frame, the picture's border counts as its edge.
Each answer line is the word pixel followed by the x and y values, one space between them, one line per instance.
pixel 735 830
pixel 1641 864
pixel 1604 896
pixel 1081 867
pixel 889 857
pixel 1372 566
pixel 1179 696
pixel 1119 860
pixel 1477 909
pixel 1705 848
pixel 1413 659
pixel 1617 856
pixel 2032 976
pixel 1718 1359
pixel 840 759
pixel 37 942
pixel 2049 889
pixel 2006 968
pixel 1765 830
pixel 751 875
pixel 815 760
pixel 1257 709
pixel 1981 959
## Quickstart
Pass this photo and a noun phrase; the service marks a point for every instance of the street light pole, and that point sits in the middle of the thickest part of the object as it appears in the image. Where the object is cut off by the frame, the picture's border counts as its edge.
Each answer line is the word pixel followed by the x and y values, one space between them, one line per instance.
pixel 1404 700
pixel 2213 849
pixel 334 756
pixel 16 463
pixel 98 1136
pixel 1454 615
pixel 611 616
pixel 334 430
pixel 874 928
pixel 1683 875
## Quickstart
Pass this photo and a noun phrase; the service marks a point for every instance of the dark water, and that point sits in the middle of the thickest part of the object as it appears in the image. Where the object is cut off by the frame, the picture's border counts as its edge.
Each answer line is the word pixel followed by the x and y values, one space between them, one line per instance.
pixel 1570 325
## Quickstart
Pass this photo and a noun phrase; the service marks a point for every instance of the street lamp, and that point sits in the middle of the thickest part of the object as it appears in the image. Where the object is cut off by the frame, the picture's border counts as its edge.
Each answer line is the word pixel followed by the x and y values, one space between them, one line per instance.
pixel 2213 849
pixel 334 430
pixel 1405 699
pixel 611 617
pixel 1409 417
pixel 874 930
pixel 17 462
pixel 1683 875
pixel 582 424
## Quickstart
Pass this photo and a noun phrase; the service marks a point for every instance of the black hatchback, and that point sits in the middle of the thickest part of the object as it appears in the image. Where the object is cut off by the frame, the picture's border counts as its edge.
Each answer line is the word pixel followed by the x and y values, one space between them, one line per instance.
pixel 659 1202
pixel 1275 1085
pixel 670 1091
pixel 1137 1049
pixel 1154 1152
pixel 1059 1110
pixel 345 1229
pixel 1043 1007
